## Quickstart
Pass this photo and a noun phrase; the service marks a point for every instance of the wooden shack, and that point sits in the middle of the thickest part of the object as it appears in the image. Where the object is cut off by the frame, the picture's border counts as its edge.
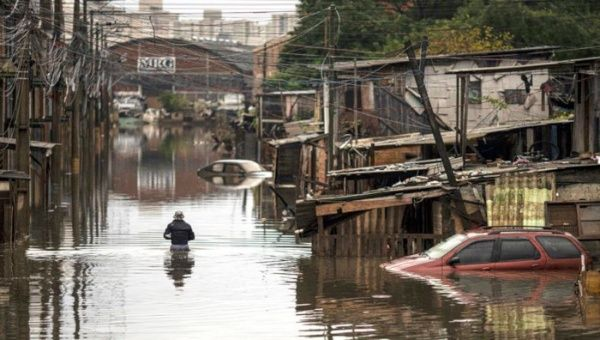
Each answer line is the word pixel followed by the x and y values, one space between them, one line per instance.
pixel 299 168
pixel 410 217
pixel 372 163
pixel 587 94
pixel 300 161
pixel 380 95
pixel 387 223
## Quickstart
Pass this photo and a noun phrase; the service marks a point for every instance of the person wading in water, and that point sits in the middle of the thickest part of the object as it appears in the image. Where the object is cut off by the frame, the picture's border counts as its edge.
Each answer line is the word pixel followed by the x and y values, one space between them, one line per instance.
pixel 179 232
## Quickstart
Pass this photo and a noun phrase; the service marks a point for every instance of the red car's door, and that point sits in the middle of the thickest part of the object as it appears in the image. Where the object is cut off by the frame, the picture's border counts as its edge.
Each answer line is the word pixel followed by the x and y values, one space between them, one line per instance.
pixel 518 253
pixel 476 255
pixel 562 252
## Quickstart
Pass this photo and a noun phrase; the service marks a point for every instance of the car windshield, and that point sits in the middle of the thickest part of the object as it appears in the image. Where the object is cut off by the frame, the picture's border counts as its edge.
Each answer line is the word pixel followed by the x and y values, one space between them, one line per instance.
pixel 444 247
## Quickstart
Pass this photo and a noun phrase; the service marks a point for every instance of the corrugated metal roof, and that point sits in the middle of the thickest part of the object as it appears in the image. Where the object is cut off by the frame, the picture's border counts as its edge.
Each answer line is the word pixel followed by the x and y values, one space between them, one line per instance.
pixel 13 174
pixel 296 139
pixel 290 93
pixel 349 65
pixel 425 165
pixel 11 143
pixel 239 56
pixel 526 67
pixel 448 136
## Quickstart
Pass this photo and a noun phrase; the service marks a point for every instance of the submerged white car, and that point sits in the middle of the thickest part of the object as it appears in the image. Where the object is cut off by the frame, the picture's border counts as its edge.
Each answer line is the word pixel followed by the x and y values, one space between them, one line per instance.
pixel 234 173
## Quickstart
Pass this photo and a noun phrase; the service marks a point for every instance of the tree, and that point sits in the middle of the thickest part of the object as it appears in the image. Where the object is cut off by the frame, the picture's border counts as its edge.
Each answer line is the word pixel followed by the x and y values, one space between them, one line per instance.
pixel 570 24
pixel 361 28
pixel 445 39
pixel 173 102
pixel 379 28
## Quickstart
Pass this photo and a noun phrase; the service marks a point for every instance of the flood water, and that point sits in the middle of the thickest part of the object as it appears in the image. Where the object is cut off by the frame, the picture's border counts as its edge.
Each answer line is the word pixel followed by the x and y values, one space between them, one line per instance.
pixel 244 278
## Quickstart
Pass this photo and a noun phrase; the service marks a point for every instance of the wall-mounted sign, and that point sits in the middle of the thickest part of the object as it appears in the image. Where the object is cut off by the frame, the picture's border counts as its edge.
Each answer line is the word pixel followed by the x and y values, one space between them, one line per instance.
pixel 156 64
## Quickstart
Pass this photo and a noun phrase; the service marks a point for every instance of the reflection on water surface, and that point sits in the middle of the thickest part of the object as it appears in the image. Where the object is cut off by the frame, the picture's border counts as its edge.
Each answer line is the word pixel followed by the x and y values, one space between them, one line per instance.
pixel 243 277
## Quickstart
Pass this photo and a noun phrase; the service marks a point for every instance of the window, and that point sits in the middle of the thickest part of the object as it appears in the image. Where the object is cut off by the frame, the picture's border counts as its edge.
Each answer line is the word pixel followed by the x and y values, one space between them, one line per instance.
pixel 477 252
pixel 515 97
pixel 218 167
pixel 475 92
pixel 513 250
pixel 559 247
pixel 233 169
pixel 444 247
pixel 349 97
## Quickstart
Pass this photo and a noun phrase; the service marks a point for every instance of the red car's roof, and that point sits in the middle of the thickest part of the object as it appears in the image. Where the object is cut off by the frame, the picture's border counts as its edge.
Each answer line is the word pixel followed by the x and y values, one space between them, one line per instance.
pixel 512 230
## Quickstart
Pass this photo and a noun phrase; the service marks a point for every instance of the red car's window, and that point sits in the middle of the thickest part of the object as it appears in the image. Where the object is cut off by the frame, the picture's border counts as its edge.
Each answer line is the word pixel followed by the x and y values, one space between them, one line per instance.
pixel 558 247
pixel 517 249
pixel 477 252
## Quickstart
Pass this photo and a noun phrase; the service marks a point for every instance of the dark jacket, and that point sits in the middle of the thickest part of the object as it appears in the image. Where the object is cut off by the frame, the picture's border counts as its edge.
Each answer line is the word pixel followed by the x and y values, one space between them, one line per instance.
pixel 179 232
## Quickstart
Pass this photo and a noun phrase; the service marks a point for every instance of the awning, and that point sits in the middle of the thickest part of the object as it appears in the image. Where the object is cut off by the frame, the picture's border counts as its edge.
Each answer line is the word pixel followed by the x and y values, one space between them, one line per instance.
pixel 13 175
pixel 11 143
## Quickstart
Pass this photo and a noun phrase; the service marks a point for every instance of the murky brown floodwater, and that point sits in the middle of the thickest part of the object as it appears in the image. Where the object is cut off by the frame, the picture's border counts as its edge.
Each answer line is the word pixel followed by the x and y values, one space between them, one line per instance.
pixel 243 278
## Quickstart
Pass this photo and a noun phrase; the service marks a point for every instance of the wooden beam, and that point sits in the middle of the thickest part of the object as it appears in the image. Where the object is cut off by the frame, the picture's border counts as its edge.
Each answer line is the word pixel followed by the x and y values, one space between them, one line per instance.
pixel 375 203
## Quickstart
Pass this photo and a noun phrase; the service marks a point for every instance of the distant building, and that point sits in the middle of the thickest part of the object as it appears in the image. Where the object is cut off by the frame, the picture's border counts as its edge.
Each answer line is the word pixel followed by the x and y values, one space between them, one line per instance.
pixel 151 20
pixel 150 5
pixel 280 24
pixel 265 60
pixel 213 14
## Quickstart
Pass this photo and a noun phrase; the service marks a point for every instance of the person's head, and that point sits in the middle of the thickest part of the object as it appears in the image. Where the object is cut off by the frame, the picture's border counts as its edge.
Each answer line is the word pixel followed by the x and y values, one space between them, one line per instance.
pixel 178 215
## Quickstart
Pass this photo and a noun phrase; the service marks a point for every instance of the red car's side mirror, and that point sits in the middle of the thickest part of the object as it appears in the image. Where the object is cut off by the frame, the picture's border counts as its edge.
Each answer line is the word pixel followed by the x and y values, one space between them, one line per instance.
pixel 454 261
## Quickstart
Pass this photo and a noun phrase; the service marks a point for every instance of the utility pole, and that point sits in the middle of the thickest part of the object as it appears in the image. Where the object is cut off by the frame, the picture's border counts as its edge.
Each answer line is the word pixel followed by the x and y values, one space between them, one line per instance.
pixel 355 95
pixel 259 123
pixel 92 128
pixel 22 113
pixel 207 62
pixel 435 130
pixel 328 89
pixel 59 19
pixel 57 109
pixel 45 15
pixel 104 85
pixel 75 121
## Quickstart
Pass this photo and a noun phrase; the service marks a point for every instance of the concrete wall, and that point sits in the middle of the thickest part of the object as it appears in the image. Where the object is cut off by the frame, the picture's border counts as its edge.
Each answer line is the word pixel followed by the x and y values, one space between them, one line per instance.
pixel 442 91
pixel 260 66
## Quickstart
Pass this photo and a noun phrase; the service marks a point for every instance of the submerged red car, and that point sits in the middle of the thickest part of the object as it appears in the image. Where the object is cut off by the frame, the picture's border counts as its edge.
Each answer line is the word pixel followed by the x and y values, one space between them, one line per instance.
pixel 497 249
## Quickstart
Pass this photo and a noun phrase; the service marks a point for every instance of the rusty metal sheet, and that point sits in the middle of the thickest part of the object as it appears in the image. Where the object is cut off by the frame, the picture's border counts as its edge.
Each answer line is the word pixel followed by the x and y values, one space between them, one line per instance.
pixel 520 200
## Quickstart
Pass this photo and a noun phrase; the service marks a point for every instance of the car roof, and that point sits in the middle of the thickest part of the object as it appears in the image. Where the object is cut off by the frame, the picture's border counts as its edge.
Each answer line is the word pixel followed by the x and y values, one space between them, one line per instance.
pixel 513 230
pixel 247 165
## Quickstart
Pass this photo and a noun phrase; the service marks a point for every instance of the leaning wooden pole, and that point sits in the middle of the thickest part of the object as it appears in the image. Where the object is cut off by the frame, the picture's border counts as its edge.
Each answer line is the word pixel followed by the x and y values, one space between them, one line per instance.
pixel 435 130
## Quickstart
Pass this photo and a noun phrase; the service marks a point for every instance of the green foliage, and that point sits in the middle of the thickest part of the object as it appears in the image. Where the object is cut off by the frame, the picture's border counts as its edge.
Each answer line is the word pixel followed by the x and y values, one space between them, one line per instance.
pixel 378 28
pixel 358 25
pixel 565 23
pixel 174 102
pixel 497 103
pixel 294 77
pixel 447 38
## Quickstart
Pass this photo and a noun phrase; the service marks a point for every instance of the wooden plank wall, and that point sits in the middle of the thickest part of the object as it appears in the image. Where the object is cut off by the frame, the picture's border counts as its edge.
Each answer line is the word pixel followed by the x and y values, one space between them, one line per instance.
pixel 397 116
pixel 374 233
pixel 313 168
pixel 287 169
pixel 394 155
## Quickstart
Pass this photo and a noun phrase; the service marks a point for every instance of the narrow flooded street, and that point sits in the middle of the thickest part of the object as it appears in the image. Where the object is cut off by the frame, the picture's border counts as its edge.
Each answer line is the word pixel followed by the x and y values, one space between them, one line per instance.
pixel 244 278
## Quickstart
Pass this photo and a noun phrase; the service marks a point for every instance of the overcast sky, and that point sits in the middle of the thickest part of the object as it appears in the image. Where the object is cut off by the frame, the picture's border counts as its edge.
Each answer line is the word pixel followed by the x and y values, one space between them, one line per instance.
pixel 232 9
